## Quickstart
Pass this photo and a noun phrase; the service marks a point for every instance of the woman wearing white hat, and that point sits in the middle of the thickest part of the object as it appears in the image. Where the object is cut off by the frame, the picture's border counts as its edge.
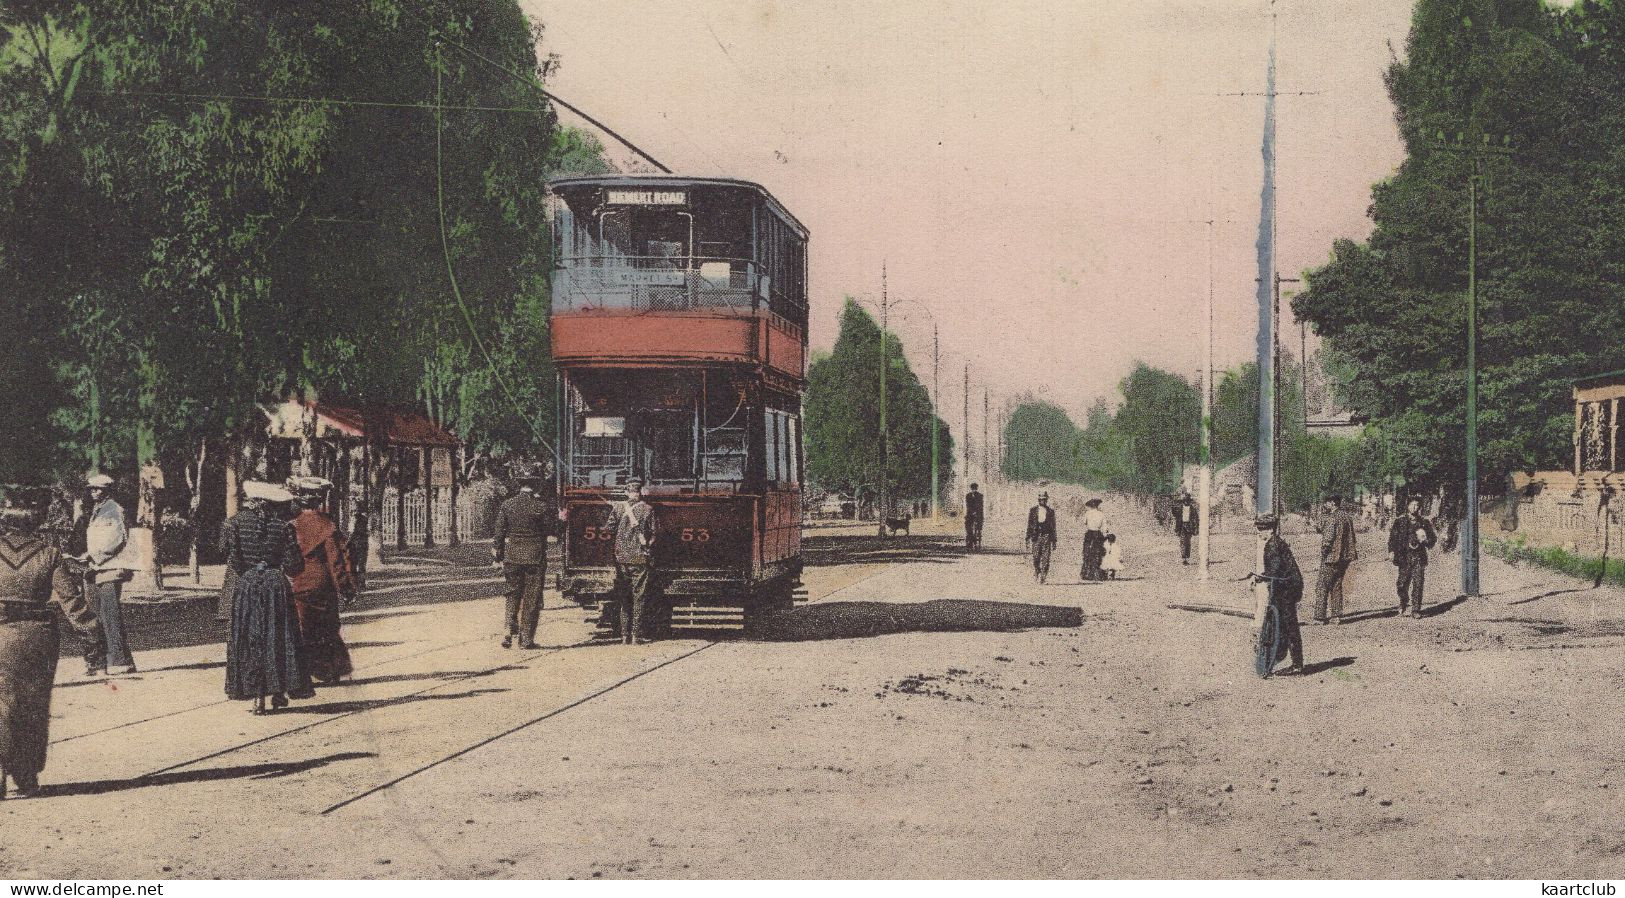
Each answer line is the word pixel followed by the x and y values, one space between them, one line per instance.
pixel 264 655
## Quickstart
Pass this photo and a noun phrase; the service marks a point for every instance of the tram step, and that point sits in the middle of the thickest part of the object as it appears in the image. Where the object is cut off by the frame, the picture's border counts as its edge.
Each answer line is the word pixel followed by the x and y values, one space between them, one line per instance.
pixel 707 617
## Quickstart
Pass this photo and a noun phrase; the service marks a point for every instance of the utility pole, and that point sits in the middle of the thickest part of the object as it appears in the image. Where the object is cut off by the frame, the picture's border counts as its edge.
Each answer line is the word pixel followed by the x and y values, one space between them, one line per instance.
pixel 987 449
pixel 936 358
pixel 1204 479
pixel 1469 523
pixel 884 491
pixel 965 451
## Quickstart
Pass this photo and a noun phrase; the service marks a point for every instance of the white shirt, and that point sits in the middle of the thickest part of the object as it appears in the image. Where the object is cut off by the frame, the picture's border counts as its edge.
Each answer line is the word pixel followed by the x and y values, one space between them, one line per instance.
pixel 1043 513
pixel 1093 519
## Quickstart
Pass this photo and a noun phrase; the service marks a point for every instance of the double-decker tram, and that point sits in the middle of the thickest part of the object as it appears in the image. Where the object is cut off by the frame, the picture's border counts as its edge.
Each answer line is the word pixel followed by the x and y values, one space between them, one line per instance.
pixel 679 328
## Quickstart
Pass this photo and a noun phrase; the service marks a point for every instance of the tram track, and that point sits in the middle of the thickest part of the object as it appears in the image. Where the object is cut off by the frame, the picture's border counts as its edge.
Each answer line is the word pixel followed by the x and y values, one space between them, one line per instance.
pixel 509 663
pixel 554 712
pixel 216 703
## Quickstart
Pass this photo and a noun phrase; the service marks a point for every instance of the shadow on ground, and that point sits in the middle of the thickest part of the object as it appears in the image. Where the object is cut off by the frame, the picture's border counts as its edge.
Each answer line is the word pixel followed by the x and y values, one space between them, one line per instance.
pixel 856 620
pixel 247 771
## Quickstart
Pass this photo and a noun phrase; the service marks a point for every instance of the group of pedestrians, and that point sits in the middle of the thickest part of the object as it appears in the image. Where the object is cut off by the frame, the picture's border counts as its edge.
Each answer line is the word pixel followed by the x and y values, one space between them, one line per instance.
pixel 1102 554
pixel 291 579
pixel 527 522
pixel 1409 538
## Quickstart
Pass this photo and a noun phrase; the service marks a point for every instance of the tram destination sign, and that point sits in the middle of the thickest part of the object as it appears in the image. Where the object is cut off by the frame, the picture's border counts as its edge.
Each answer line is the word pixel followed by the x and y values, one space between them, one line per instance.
pixel 647 197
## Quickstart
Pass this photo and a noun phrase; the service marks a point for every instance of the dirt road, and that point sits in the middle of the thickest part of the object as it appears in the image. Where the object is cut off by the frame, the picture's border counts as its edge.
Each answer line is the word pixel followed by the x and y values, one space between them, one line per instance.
pixel 927 714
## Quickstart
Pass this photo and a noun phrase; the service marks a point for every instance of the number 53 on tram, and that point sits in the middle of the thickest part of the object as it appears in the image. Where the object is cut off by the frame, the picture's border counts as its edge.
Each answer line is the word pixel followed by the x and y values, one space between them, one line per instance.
pixel 679 328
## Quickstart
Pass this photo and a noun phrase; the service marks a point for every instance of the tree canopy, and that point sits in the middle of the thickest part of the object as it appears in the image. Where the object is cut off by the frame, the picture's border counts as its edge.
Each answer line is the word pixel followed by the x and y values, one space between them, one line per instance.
pixel 210 204
pixel 1531 96
pixel 842 417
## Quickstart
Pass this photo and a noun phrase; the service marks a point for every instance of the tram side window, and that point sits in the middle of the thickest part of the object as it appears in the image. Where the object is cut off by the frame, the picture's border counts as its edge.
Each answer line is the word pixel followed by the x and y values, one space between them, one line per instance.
pixel 771 444
pixel 793 449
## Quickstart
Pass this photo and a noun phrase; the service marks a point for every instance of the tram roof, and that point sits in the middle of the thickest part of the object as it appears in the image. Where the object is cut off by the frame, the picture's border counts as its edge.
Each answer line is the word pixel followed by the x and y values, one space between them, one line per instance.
pixel 642 181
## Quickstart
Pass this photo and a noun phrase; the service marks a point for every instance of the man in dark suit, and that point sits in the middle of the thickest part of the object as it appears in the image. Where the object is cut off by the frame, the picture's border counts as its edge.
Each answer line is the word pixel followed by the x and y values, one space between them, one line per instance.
pixel 520 545
pixel 1185 524
pixel 1285 582
pixel 1041 536
pixel 973 519
pixel 1408 543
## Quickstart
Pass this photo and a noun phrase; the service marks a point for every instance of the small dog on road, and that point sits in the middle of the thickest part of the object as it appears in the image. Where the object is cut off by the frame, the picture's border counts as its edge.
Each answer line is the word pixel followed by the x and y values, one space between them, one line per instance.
pixel 895 526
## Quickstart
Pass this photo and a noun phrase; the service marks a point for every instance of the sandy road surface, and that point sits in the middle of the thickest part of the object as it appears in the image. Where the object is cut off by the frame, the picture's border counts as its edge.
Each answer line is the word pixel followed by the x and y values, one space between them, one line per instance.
pixel 927 714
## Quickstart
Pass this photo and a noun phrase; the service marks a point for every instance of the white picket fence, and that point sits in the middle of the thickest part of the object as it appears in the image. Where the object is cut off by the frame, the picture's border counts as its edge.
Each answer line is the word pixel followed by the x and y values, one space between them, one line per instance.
pixel 416 509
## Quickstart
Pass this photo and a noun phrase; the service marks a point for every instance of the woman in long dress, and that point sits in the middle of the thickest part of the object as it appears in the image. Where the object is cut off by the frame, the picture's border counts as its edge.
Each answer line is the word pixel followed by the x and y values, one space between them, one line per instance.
pixel 33 577
pixel 264 657
pixel 323 586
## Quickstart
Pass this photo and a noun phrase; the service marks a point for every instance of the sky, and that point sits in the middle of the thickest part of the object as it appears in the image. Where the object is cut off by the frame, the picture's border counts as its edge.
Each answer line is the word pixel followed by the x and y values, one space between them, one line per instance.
pixel 1036 175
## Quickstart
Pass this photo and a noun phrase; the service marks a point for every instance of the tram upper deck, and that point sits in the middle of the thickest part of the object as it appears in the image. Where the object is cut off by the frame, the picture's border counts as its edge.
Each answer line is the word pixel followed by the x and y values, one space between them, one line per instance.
pixel 715 268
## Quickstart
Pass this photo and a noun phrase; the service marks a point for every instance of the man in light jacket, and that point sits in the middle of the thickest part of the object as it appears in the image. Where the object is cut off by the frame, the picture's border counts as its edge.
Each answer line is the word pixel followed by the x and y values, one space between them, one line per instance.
pixel 633 523
pixel 105 540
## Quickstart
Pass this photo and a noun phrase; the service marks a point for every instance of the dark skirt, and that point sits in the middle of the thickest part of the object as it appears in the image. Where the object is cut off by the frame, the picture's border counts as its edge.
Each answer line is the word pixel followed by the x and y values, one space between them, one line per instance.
pixel 1094 552
pixel 28 655
pixel 265 655
pixel 326 656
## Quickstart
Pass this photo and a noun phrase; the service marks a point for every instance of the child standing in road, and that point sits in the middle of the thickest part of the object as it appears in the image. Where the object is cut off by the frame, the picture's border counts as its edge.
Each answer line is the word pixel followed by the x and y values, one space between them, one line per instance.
pixel 1113 561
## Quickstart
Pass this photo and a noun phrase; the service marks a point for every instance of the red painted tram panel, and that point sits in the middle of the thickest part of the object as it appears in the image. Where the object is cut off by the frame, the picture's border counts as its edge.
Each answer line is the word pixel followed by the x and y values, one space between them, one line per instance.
pixel 679 328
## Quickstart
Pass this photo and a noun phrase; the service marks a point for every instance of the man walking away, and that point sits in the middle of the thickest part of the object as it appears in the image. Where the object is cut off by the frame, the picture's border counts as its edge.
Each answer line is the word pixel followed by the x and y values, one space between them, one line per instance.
pixel 105 539
pixel 1185 524
pixel 633 523
pixel 1408 544
pixel 1337 551
pixel 520 545
pixel 1041 536
pixel 1279 635
pixel 973 519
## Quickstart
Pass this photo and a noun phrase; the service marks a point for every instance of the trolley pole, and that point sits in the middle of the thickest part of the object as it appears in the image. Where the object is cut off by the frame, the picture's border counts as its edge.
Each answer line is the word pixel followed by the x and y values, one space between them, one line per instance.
pixel 935 395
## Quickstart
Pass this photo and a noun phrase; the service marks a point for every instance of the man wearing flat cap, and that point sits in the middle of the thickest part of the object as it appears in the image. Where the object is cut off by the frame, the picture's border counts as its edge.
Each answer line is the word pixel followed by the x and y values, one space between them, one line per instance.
pixel 1279 634
pixel 519 544
pixel 633 524
pixel 105 541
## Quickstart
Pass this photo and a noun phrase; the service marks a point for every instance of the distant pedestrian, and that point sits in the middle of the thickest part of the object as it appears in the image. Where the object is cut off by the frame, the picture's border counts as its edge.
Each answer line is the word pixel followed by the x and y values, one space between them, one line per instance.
pixel 633 524
pixel 1094 541
pixel 973 519
pixel 360 543
pixel 323 585
pixel 1278 634
pixel 519 544
pixel 1112 563
pixel 1041 537
pixel 1337 552
pixel 1185 517
pixel 1408 543
pixel 33 577
pixel 264 656
pixel 105 541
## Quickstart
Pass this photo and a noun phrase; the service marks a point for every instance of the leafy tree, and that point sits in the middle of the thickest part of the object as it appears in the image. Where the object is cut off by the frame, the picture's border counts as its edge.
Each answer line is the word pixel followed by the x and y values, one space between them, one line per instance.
pixel 1544 85
pixel 842 417
pixel 1161 419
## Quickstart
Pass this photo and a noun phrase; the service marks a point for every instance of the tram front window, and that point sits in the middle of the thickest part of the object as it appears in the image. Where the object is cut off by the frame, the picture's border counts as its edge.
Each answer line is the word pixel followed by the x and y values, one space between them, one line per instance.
pixel 658 428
